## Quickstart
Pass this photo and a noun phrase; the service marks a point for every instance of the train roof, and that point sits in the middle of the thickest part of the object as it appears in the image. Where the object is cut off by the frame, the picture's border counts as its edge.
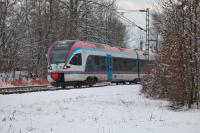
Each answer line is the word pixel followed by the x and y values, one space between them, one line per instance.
pixel 77 43
pixel 73 44
pixel 100 46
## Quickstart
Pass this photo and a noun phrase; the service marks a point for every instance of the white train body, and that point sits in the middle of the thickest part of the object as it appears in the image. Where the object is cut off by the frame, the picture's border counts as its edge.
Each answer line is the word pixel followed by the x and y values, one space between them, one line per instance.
pixel 87 63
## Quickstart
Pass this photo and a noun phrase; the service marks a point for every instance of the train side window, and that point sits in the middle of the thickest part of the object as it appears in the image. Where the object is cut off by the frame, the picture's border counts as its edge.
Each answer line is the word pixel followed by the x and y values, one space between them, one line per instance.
pixel 95 63
pixel 76 60
pixel 142 63
pixel 132 64
pixel 124 64
pixel 102 63
pixel 90 63
pixel 115 64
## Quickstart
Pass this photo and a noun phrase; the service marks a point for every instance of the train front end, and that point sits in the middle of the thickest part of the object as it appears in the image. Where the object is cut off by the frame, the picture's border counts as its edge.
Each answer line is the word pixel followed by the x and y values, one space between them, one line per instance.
pixel 57 55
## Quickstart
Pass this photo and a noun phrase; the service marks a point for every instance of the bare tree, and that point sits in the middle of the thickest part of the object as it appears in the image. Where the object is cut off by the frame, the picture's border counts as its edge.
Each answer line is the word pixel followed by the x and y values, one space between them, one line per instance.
pixel 28 28
pixel 176 75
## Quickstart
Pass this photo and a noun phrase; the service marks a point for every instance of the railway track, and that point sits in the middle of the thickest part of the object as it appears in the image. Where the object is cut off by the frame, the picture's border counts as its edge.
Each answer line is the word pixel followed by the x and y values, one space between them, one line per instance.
pixel 24 89
pixel 28 89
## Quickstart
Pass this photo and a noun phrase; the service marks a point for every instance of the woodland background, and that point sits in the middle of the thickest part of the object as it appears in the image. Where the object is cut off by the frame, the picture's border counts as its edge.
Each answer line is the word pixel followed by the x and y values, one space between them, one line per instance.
pixel 29 27
pixel 176 74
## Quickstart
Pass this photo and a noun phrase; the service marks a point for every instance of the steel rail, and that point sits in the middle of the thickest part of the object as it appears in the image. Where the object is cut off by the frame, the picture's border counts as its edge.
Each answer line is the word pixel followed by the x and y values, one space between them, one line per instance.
pixel 29 89
pixel 24 89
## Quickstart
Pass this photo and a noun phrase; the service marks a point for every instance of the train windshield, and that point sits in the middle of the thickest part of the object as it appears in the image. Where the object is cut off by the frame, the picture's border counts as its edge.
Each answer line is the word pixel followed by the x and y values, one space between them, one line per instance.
pixel 59 51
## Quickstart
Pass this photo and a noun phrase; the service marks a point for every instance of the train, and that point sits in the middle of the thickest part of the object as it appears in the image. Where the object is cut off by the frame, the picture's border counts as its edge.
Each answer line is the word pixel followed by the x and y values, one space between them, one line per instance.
pixel 77 63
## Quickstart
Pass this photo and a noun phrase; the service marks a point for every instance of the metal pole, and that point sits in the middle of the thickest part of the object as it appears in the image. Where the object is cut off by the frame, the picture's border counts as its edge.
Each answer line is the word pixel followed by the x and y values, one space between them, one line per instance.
pixel 107 23
pixel 86 18
pixel 147 32
pixel 157 43
pixel 138 65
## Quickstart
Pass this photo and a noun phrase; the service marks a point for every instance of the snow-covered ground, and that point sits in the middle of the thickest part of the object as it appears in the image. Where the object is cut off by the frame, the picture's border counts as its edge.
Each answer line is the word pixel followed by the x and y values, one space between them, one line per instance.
pixel 110 109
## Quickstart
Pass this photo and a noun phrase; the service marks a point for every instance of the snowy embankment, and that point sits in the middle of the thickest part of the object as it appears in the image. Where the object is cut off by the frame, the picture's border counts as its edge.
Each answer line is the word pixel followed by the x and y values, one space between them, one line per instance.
pixel 20 79
pixel 110 109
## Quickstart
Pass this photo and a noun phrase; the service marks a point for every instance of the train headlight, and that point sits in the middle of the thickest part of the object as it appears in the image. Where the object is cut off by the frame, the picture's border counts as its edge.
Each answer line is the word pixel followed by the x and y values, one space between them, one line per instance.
pixel 66 67
pixel 50 68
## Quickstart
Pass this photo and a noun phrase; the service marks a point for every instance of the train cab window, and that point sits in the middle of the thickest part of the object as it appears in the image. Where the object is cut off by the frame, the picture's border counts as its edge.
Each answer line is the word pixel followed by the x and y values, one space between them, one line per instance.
pixel 76 60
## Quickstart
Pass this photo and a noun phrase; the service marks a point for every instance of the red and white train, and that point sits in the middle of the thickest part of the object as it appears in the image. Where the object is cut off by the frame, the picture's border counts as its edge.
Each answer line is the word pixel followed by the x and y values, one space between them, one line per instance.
pixel 76 63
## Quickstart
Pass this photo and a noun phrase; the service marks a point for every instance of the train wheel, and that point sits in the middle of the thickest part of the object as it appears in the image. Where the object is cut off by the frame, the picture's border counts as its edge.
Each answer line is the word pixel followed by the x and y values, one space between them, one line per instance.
pixel 91 81
pixel 78 84
pixel 135 81
pixel 95 80
pixel 131 82
pixel 54 85
pixel 75 86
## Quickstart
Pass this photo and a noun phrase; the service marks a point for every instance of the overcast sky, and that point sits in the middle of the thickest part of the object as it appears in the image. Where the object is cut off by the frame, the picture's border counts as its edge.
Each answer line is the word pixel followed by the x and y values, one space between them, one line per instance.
pixel 138 17
pixel 135 4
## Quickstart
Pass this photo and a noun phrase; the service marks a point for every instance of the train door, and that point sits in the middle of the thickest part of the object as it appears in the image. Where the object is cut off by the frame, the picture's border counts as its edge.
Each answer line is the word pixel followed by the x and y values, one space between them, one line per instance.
pixel 109 67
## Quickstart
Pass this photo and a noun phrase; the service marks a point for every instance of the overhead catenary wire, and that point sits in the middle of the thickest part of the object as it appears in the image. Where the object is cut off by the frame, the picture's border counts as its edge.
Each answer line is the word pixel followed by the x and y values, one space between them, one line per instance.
pixel 123 17
pixel 130 22
pixel 118 14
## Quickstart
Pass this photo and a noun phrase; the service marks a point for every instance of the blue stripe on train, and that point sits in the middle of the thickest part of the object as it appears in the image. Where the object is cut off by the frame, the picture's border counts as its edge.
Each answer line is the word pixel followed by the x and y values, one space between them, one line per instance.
pixel 100 50
pixel 92 73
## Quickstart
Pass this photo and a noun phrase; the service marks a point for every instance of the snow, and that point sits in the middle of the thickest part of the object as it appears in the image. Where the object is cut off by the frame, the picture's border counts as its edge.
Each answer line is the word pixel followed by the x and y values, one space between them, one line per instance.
pixel 109 109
